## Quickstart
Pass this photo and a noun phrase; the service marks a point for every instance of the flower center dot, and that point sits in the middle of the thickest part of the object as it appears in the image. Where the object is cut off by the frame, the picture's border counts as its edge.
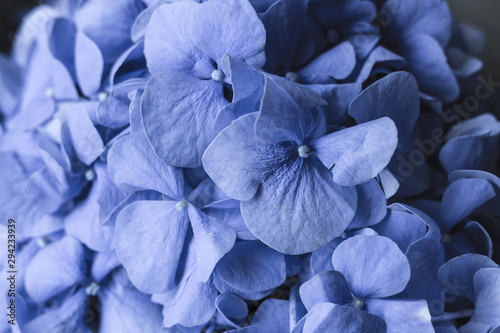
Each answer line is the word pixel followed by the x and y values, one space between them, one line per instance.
pixel 42 242
pixel 181 205
pixel 49 93
pixel 102 96
pixel 92 289
pixel 357 303
pixel 304 151
pixel 89 175
pixel 217 75
pixel 292 76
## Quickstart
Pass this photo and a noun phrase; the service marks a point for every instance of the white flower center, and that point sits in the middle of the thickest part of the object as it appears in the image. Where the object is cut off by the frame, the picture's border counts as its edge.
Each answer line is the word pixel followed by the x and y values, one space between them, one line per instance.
pixel 92 289
pixel 304 151
pixel 181 205
pixel 42 242
pixel 357 303
pixel 102 96
pixel 89 175
pixel 49 93
pixel 217 75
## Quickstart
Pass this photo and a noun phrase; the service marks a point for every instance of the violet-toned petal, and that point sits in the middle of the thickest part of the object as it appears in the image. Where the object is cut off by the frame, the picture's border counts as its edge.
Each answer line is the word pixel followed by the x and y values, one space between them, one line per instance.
pixel 373 266
pixel 358 153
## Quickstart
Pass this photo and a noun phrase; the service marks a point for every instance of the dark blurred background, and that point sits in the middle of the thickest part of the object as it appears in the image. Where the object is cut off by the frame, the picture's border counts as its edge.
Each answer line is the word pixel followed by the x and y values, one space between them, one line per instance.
pixel 481 13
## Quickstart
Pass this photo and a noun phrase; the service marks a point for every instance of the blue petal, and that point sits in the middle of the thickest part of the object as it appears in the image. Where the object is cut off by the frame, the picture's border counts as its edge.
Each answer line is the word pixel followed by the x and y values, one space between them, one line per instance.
pixel 321 259
pixel 179 124
pixel 251 267
pixel 402 315
pixel 55 268
pixel 487 296
pixel 426 256
pixel 463 64
pixel 430 17
pixel 230 307
pixel 228 212
pixel 273 315
pixel 329 286
pixel 113 112
pixel 379 57
pixel 173 51
pixel 402 226
pixel 103 264
pixel 247 84
pixel 164 228
pixel 125 309
pixel 84 221
pixel 213 240
pixel 427 62
pixel 281 119
pixel 134 196
pixel 480 238
pixel 373 266
pixel 338 97
pixel 386 98
pixel 328 317
pixel 85 138
pixel 142 20
pixel 89 64
pixel 108 25
pixel 236 159
pixel 131 64
pixel 306 207
pixel 229 26
pixel 69 316
pixel 471 144
pixel 358 153
pixel 291 39
pixel 372 205
pixel 131 161
pixel 338 63
pixel 51 187
pixel 462 197
pixel 456 276
pixel 224 287
pixel 192 303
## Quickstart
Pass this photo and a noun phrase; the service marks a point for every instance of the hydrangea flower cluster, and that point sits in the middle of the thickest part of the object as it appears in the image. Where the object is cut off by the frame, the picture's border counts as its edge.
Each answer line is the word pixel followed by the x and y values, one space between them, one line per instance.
pixel 250 166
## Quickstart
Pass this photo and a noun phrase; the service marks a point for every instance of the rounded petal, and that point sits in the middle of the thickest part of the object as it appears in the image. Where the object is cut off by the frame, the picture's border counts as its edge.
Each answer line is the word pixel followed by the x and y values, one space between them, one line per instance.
pixel 456 275
pixel 251 267
pixel 358 153
pixel 328 317
pixel 329 286
pixel 55 268
pixel 373 266
pixel 402 316
pixel 178 125
pixel 299 209
pixel 149 242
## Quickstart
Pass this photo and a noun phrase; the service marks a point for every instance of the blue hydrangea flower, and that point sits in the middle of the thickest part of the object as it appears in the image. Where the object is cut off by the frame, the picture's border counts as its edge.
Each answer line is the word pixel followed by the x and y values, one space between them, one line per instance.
pixel 250 270
pixel 281 173
pixel 168 222
pixel 187 63
pixel 61 272
pixel 476 278
pixel 419 33
pixel 368 270
pixel 472 145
